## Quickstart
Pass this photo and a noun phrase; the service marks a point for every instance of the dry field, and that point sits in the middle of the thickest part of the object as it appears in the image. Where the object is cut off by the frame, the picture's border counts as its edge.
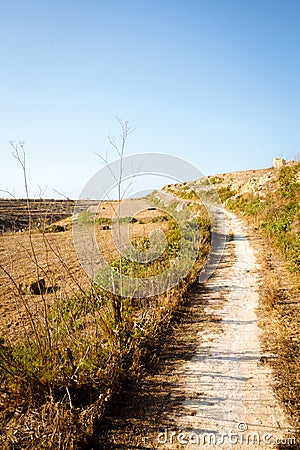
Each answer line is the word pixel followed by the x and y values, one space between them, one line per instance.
pixel 25 257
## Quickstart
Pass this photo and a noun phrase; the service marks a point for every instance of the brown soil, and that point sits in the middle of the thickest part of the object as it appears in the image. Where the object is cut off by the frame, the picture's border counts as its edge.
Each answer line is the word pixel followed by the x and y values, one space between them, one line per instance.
pixel 25 257
pixel 57 263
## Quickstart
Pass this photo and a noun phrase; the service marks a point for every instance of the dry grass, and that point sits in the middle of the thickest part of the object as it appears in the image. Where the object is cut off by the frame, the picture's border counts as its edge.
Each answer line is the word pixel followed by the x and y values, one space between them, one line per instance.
pixel 279 316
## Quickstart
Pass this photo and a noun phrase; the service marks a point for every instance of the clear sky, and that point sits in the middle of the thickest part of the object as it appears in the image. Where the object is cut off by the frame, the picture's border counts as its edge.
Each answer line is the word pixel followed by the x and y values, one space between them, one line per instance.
pixel 214 82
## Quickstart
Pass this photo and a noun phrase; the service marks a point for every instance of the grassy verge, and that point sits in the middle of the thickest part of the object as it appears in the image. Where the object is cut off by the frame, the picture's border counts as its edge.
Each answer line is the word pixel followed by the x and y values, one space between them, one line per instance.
pixel 280 321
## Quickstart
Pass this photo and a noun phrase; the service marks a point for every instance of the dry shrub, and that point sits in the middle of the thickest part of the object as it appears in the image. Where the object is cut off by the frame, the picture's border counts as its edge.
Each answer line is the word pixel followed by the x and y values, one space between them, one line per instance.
pixel 272 292
pixel 280 320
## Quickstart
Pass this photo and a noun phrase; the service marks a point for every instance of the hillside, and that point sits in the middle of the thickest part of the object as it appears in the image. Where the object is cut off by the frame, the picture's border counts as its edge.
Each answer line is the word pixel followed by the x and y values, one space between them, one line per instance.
pixel 270 198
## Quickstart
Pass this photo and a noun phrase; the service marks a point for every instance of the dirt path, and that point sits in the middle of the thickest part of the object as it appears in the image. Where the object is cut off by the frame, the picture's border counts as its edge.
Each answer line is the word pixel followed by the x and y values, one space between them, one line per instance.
pixel 216 391
pixel 227 377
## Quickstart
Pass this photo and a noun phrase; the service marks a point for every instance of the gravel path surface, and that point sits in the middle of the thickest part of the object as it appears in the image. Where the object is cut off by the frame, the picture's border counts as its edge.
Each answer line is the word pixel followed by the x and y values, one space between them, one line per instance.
pixel 229 402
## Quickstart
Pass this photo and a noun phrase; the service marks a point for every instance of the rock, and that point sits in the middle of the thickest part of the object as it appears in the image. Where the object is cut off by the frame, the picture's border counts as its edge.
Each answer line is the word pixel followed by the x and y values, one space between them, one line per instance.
pixel 55 228
pixel 36 287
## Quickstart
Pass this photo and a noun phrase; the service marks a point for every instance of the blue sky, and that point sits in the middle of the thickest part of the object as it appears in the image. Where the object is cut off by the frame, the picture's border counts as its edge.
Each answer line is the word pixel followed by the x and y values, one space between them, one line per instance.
pixel 214 82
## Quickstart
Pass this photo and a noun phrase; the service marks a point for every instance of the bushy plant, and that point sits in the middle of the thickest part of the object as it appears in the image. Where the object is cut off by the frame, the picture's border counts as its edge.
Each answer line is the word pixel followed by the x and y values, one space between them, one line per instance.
pixel 86 217
pixel 216 180
pixel 225 193
pixel 104 221
pixel 289 181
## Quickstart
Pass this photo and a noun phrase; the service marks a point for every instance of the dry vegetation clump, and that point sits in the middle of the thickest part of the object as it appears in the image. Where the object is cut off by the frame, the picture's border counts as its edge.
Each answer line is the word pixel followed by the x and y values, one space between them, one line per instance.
pixel 72 345
pixel 280 320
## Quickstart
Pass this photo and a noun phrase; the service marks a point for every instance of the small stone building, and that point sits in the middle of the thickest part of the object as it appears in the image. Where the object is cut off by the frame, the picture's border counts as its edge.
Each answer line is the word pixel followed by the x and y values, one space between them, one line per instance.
pixel 278 163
